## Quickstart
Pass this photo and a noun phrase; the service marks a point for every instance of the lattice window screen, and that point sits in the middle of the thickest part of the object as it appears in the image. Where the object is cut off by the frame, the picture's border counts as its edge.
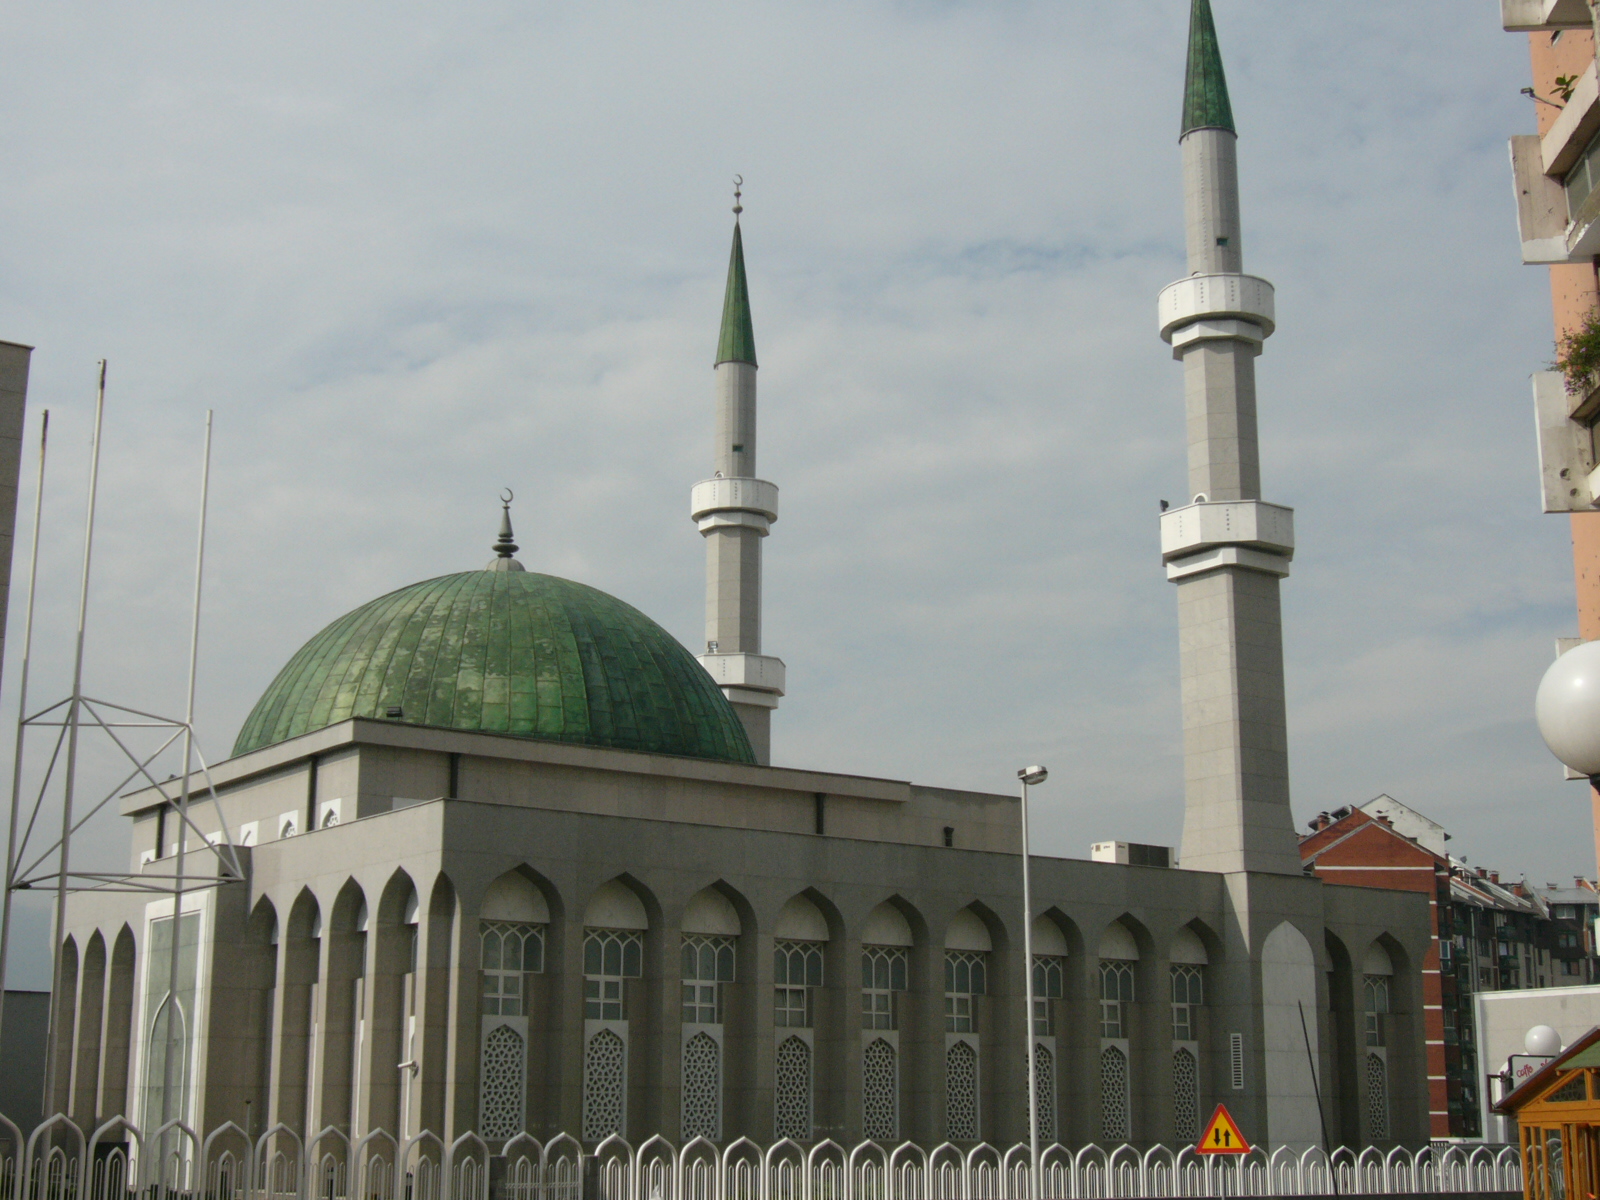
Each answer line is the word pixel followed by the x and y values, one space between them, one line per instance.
pixel 792 1104
pixel 1044 1067
pixel 702 1088
pixel 1113 1095
pixel 605 1083
pixel 502 1076
pixel 961 1092
pixel 1185 1095
pixel 880 1078
pixel 1377 1098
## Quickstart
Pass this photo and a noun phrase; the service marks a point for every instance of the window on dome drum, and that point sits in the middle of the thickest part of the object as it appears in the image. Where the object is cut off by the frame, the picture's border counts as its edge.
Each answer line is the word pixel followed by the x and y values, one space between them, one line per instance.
pixel 1116 993
pixel 511 949
pixel 1187 997
pixel 609 957
pixel 707 965
pixel 965 979
pixel 883 973
pixel 796 970
pixel 1046 987
pixel 1377 1004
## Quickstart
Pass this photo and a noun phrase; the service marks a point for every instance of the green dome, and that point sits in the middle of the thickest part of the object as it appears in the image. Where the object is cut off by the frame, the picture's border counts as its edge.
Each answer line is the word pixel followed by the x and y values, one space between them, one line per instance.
pixel 504 651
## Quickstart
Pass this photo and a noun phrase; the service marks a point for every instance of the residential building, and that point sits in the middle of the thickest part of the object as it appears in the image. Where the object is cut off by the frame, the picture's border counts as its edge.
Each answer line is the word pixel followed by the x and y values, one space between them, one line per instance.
pixel 1489 935
pixel 1556 175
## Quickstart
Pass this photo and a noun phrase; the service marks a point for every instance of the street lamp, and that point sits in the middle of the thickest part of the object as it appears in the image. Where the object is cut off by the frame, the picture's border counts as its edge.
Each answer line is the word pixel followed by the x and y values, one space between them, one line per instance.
pixel 1567 708
pixel 1029 776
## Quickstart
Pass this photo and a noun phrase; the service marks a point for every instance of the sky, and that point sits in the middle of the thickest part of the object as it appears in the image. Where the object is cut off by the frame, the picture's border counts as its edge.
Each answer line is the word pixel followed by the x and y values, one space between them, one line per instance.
pixel 412 254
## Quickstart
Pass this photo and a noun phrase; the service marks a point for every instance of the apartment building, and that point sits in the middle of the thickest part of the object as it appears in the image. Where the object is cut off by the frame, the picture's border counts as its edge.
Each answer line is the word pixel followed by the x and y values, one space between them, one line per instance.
pixel 1489 935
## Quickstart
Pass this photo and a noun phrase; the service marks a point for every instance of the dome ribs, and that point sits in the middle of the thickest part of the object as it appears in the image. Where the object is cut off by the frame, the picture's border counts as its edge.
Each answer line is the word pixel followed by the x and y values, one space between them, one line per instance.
pixel 515 653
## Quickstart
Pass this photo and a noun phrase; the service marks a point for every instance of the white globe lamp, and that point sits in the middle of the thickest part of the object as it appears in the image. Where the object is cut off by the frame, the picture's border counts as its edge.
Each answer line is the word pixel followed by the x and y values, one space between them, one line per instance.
pixel 1543 1041
pixel 1567 708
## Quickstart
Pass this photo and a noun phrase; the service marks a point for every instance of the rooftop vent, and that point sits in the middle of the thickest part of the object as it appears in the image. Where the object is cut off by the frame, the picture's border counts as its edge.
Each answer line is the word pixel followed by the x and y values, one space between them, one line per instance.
pixel 1131 853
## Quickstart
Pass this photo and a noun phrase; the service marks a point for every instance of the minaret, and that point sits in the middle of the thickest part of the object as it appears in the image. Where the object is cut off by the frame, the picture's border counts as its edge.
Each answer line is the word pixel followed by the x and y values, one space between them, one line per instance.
pixel 735 510
pixel 1226 549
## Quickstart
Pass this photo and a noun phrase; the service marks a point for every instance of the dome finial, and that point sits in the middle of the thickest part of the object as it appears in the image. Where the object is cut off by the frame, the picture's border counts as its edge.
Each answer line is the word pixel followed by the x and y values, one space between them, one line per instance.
pixel 505 546
pixel 738 205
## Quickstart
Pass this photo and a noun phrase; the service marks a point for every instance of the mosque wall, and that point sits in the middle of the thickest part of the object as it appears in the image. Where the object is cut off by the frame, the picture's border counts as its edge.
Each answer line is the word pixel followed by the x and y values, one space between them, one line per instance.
pixel 288 789
pixel 363 946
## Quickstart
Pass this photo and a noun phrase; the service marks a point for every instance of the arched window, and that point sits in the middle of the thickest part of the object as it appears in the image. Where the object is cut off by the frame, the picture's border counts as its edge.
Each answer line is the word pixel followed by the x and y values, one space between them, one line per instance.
pixel 965 979
pixel 1375 991
pixel 707 965
pixel 1116 993
pixel 169 1046
pixel 796 972
pixel 883 976
pixel 609 957
pixel 1046 987
pixel 1187 997
pixel 511 950
pixel 1376 971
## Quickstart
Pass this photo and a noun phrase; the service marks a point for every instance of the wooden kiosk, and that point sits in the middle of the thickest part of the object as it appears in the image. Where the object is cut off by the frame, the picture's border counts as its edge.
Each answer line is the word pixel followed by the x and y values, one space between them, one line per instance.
pixel 1558 1123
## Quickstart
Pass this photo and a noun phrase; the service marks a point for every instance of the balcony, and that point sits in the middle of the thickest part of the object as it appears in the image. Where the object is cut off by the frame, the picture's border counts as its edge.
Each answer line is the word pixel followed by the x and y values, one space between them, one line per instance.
pixel 1530 16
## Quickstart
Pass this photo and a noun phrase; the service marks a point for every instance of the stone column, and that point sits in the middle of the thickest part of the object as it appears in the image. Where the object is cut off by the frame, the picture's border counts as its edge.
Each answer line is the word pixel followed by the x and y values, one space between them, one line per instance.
pixel 298 964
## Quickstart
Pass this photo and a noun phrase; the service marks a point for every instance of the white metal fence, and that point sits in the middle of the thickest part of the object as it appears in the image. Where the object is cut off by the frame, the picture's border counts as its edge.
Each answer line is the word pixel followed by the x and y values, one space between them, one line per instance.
pixel 59 1161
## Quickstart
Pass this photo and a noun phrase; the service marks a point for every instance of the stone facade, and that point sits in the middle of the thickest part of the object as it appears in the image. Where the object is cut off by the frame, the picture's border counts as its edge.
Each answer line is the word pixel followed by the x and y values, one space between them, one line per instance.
pixel 359 946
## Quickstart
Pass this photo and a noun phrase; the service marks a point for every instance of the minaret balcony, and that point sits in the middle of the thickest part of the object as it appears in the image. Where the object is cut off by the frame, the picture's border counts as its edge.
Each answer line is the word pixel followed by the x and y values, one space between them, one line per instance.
pixel 1216 307
pixel 734 501
pixel 757 678
pixel 1210 534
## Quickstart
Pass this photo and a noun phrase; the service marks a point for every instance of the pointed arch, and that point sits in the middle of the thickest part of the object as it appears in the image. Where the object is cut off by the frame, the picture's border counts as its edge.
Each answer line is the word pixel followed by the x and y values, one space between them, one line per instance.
pixel 886 925
pixel 619 903
pixel 515 896
pixel 262 926
pixel 91 1001
pixel 305 915
pixel 1117 943
pixel 1187 949
pixel 397 903
pixel 802 919
pixel 1288 986
pixel 709 911
pixel 120 977
pixel 1071 931
pixel 62 1025
pixel 968 930
pixel 349 910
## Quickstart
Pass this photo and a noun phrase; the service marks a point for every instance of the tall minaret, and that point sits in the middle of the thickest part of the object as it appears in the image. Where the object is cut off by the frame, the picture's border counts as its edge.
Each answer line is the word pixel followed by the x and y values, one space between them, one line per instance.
pixel 1226 549
pixel 735 510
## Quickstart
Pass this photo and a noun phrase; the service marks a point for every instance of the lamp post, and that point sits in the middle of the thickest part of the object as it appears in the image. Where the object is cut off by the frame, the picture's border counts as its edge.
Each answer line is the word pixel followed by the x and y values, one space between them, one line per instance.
pixel 1029 775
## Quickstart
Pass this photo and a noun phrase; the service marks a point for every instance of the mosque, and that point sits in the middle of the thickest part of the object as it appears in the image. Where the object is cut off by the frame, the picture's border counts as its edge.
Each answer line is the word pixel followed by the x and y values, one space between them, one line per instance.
pixel 516 860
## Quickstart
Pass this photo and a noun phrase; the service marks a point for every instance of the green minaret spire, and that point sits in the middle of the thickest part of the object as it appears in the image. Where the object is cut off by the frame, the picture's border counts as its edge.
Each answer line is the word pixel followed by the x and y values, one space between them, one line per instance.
pixel 1205 90
pixel 738 340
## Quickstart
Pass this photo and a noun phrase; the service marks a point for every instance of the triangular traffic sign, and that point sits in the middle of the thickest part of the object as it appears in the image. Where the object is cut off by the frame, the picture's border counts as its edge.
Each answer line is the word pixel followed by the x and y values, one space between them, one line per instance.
pixel 1222 1135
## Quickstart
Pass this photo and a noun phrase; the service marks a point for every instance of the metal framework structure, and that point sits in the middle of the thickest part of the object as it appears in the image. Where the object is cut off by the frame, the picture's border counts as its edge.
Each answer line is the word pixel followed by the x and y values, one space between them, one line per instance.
pixel 31 865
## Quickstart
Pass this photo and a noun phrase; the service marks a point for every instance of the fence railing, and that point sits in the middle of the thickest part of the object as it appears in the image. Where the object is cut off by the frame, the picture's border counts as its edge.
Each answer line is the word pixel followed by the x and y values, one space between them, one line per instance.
pixel 117 1161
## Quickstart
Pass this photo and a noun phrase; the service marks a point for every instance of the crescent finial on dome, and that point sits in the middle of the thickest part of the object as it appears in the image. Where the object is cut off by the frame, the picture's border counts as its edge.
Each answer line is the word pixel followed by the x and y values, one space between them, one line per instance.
pixel 505 546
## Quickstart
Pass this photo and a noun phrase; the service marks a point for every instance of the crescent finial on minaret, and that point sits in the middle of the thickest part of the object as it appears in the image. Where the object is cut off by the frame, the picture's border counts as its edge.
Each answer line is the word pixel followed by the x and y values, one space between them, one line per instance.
pixel 737 340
